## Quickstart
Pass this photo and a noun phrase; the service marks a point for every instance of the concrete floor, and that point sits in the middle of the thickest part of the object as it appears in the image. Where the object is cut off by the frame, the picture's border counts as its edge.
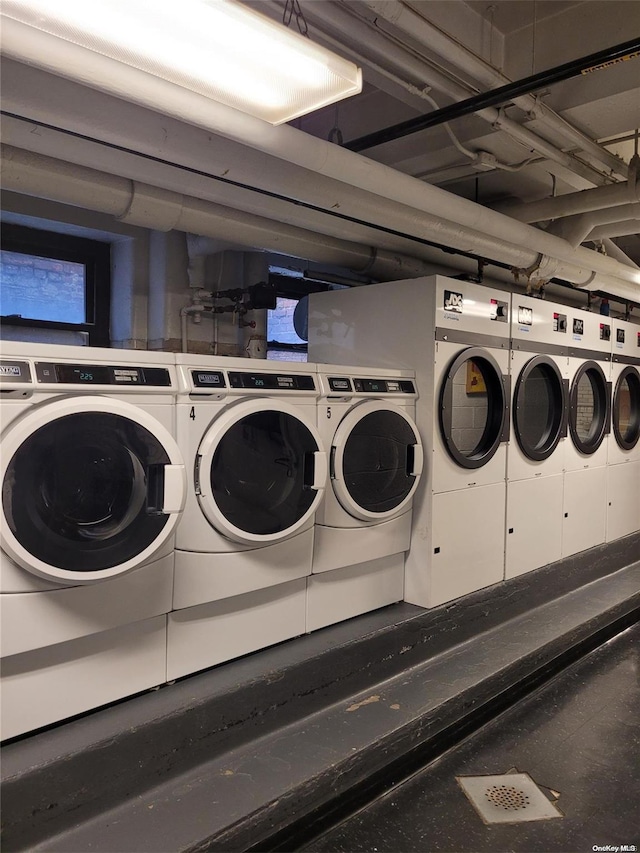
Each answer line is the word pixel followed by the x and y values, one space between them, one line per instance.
pixel 579 736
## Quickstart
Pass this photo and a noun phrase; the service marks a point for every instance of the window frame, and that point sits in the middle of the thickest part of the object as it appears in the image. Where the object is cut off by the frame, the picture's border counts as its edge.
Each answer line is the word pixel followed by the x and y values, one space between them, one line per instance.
pixel 96 258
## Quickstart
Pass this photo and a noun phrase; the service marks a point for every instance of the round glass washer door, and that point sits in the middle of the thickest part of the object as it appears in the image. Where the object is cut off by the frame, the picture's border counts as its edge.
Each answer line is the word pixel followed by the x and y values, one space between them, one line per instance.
pixel 626 408
pixel 260 471
pixel 473 408
pixel 539 408
pixel 377 461
pixel 91 488
pixel 590 407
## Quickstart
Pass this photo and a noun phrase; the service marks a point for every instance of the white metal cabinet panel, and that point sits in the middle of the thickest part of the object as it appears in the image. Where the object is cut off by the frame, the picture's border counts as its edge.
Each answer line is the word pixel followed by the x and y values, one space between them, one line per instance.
pixel 623 500
pixel 534 524
pixel 338 595
pixel 207 634
pixel 52 683
pixel 585 509
pixel 468 541
pixel 335 547
pixel 32 620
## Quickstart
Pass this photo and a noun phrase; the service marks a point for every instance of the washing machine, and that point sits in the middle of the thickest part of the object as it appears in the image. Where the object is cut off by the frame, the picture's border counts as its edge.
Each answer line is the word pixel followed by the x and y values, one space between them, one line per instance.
pixel 623 452
pixel 93 484
pixel 258 471
pixel 455 335
pixel 366 419
pixel 585 479
pixel 536 450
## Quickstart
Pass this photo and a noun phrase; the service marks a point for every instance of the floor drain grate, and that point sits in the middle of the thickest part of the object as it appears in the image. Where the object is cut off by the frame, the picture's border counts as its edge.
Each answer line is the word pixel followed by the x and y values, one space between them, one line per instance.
pixel 508 798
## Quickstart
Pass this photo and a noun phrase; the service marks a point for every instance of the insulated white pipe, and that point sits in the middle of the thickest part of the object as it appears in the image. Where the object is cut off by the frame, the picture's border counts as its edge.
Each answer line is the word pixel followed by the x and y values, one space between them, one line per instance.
pixel 46 177
pixel 616 229
pixel 448 48
pixel 574 229
pixel 583 267
pixel 571 204
pixel 614 251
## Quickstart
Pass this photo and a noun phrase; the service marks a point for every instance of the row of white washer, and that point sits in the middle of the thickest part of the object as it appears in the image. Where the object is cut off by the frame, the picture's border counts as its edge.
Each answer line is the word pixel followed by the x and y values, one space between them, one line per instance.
pixel 162 514
pixel 514 409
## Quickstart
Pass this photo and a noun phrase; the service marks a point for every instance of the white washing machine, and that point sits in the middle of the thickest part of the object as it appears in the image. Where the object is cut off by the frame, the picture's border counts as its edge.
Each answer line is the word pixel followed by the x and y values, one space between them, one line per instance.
pixel 455 335
pixel 247 430
pixel 623 454
pixel 536 450
pixel 585 480
pixel 93 485
pixel 366 419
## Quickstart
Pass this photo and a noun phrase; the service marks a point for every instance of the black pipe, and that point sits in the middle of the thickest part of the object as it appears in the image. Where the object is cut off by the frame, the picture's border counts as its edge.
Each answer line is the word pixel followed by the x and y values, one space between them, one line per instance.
pixel 502 95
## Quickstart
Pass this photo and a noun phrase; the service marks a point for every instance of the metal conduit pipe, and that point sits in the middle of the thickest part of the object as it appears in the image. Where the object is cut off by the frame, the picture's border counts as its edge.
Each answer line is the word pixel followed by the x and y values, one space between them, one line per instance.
pixel 415 69
pixel 582 266
pixel 574 229
pixel 448 48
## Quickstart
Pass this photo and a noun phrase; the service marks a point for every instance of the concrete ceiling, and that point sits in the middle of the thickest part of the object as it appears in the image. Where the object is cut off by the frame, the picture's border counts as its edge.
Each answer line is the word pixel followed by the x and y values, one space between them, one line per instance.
pixel 515 37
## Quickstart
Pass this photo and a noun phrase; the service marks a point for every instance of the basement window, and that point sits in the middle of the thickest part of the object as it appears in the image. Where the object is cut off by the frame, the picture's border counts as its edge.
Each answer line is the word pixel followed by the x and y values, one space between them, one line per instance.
pixel 283 342
pixel 55 287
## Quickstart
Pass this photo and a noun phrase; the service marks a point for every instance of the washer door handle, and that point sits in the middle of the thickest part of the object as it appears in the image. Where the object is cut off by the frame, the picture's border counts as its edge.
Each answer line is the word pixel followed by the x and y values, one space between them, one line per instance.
pixel 319 470
pixel 174 489
pixel 417 462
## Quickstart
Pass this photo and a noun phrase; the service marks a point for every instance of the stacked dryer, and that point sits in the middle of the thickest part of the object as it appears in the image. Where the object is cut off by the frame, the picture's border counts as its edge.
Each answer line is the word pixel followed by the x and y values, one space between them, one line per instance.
pixel 536 451
pixel 366 418
pixel 455 335
pixel 585 480
pixel 92 487
pixel 623 470
pixel 257 473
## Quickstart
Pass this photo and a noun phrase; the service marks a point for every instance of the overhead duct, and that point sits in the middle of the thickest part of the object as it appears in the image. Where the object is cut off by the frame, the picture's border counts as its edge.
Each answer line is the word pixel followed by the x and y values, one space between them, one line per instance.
pixel 455 221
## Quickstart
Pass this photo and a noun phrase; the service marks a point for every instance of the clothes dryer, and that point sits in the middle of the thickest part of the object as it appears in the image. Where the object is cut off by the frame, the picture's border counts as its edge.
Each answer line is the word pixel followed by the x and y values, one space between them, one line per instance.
pixel 455 335
pixel 93 485
pixel 535 453
pixel 247 430
pixel 585 480
pixel 623 453
pixel 366 418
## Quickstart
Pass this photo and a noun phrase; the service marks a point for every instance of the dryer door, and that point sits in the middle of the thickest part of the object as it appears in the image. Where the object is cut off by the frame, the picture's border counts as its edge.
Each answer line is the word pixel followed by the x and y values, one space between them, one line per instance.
pixel 473 408
pixel 91 488
pixel 539 408
pixel 626 408
pixel 260 471
pixel 376 461
pixel 590 408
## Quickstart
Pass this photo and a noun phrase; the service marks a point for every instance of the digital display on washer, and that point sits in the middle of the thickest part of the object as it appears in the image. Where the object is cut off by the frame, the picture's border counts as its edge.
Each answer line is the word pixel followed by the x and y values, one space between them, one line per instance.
pixel 384 386
pixel 208 379
pixel 14 371
pixel 102 374
pixel 271 381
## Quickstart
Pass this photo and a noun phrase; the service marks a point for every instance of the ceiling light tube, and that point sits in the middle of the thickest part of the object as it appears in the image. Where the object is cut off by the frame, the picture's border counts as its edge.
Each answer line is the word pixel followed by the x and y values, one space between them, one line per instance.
pixel 217 48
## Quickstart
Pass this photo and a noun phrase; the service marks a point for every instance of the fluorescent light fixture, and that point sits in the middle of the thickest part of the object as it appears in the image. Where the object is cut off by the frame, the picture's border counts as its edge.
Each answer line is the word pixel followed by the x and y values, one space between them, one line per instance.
pixel 217 48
